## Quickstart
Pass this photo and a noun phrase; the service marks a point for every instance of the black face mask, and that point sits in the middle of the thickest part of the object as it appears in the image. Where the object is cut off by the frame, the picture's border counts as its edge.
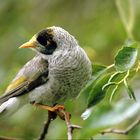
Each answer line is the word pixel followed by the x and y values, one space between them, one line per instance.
pixel 46 40
pixel 49 49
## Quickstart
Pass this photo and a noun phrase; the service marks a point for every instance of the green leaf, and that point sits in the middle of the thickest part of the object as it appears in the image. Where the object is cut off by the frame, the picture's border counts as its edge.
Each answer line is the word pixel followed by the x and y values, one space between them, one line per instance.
pixel 98 70
pixel 106 115
pixel 129 90
pixel 126 57
pixel 115 79
pixel 112 85
pixel 104 84
pixel 113 92
pixel 96 93
pixel 130 43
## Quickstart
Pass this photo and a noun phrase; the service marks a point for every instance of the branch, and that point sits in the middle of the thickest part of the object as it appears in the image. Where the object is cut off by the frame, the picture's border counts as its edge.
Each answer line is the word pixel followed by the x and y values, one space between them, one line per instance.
pixel 7 138
pixel 70 127
pixel 123 132
pixel 64 116
pixel 51 117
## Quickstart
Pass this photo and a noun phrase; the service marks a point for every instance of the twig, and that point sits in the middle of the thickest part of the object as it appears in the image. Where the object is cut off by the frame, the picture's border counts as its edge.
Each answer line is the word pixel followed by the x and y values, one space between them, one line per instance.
pixel 51 117
pixel 70 127
pixel 7 138
pixel 64 116
pixel 123 132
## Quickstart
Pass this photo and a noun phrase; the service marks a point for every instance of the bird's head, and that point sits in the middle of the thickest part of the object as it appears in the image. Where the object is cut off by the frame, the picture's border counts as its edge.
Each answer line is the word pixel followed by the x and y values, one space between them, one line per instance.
pixel 51 39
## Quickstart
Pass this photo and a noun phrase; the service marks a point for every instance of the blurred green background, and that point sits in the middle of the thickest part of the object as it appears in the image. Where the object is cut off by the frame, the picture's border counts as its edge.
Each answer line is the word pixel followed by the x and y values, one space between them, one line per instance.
pixel 97 26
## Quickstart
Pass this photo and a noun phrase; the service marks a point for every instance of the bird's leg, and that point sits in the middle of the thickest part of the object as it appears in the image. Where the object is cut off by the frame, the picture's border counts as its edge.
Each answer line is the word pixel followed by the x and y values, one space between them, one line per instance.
pixel 49 108
pixel 63 114
pixel 58 109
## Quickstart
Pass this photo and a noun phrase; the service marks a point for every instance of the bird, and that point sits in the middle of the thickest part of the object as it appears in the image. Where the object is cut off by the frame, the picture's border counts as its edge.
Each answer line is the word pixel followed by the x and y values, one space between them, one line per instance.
pixel 57 73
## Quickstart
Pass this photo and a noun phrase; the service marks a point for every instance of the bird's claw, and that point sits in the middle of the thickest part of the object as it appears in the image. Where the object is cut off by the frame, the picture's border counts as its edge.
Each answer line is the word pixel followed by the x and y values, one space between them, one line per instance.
pixel 58 109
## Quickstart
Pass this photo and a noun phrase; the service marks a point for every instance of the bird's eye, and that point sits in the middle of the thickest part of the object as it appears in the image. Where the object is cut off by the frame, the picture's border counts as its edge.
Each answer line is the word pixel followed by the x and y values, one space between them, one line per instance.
pixel 42 39
pixel 46 40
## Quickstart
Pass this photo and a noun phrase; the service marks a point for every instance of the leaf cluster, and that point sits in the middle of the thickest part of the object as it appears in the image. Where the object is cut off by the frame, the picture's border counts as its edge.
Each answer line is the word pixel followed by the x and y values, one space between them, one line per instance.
pixel 108 79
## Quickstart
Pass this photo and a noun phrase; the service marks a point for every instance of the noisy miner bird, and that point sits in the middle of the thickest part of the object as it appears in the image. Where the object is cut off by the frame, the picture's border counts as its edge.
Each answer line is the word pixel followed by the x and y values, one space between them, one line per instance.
pixel 57 73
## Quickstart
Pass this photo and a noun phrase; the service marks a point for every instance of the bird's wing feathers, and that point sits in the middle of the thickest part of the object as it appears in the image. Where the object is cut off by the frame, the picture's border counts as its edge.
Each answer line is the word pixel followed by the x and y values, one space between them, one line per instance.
pixel 32 75
pixel 15 84
pixel 12 91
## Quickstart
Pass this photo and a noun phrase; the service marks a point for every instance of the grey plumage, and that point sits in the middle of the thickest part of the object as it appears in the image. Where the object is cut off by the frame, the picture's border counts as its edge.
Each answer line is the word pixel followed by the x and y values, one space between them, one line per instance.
pixel 36 73
pixel 54 77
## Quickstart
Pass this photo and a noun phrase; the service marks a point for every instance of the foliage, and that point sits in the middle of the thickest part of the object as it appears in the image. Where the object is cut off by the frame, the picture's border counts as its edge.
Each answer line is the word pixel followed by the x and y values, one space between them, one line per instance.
pixel 111 115
pixel 126 67
pixel 103 82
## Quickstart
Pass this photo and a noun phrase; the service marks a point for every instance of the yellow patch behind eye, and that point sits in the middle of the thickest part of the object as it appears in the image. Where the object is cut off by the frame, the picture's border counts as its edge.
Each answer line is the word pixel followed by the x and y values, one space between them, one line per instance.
pixel 16 83
pixel 49 31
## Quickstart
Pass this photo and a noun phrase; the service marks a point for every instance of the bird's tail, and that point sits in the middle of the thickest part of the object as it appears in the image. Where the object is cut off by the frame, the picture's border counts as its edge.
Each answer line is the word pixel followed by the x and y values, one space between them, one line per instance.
pixel 10 106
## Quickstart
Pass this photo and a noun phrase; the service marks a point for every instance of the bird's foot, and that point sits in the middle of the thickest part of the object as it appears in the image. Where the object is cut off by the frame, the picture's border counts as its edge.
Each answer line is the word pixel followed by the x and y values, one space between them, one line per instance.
pixel 49 108
pixel 53 112
pixel 58 109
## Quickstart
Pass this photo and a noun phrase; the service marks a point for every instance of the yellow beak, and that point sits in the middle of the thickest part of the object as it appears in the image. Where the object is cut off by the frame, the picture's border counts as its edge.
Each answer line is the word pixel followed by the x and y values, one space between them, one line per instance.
pixel 30 44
